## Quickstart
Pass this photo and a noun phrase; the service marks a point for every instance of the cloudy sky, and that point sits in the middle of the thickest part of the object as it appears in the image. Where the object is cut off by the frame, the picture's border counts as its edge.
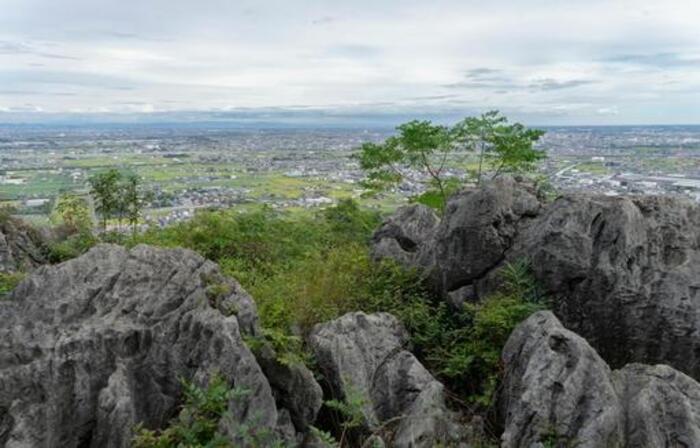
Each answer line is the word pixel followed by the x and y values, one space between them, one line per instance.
pixel 540 61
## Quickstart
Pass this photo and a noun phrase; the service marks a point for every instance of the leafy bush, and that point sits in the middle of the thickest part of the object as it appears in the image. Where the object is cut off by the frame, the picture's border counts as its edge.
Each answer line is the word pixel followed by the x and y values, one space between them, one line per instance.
pixel 472 359
pixel 324 437
pixel 348 222
pixel 6 212
pixel 319 287
pixel 436 199
pixel 73 212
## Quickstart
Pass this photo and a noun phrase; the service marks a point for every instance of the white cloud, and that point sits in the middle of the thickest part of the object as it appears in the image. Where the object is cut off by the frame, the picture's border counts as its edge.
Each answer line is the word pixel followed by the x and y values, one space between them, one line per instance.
pixel 608 111
pixel 542 60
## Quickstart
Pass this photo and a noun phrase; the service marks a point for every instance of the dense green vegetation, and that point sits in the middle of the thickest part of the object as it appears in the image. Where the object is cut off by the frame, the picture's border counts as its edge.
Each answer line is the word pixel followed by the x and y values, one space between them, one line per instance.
pixel 301 269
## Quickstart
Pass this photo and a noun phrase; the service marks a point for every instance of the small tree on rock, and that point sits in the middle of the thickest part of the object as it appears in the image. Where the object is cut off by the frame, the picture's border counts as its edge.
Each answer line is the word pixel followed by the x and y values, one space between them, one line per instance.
pixel 428 148
pixel 419 145
pixel 74 212
pixel 104 188
pixel 501 146
pixel 134 200
pixel 118 195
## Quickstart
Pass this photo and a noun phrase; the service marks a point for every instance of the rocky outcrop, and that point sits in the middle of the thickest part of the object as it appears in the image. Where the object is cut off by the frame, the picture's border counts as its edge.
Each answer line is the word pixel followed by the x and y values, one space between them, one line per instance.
pixel 662 406
pixel 623 272
pixel 478 228
pixel 21 247
pixel 558 391
pixel 363 356
pixel 402 235
pixel 293 386
pixel 556 386
pixel 90 347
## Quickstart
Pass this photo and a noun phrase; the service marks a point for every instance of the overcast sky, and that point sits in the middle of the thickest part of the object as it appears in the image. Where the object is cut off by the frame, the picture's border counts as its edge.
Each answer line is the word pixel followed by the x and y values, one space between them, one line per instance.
pixel 540 61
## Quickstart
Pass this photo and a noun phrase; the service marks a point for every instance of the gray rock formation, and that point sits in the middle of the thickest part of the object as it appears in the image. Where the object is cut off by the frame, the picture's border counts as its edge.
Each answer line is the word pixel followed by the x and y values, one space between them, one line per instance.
pixel 623 272
pixel 294 388
pixel 662 406
pixel 478 228
pixel 364 354
pixel 21 246
pixel 556 386
pixel 90 347
pixel 402 235
pixel 557 390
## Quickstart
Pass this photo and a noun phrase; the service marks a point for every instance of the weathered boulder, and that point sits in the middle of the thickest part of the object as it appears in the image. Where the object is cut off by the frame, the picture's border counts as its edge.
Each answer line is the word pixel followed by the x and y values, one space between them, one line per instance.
pixel 558 391
pixel 403 234
pixel 662 406
pixel 90 347
pixel 293 386
pixel 478 227
pixel 364 355
pixel 556 386
pixel 21 246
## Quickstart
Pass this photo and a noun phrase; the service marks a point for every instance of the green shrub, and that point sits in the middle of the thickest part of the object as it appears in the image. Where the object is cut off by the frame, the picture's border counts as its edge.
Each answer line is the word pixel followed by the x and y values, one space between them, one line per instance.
pixel 8 282
pixel 436 199
pixel 351 413
pixel 349 222
pixel 197 424
pixel 6 212
pixel 319 287
pixel 288 348
pixel 470 360
pixel 71 247
pixel 324 437
pixel 462 347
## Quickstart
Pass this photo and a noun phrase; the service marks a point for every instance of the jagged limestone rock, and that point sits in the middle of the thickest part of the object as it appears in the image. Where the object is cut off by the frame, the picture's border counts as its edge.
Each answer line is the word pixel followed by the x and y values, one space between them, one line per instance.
pixel 90 347
pixel 364 354
pixel 293 386
pixel 556 389
pixel 623 272
pixel 402 235
pixel 662 406
pixel 555 384
pixel 477 229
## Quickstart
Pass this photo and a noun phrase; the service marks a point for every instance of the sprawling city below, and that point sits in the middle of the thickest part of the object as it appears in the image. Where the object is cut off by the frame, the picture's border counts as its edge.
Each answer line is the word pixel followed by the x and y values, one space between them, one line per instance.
pixel 193 167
